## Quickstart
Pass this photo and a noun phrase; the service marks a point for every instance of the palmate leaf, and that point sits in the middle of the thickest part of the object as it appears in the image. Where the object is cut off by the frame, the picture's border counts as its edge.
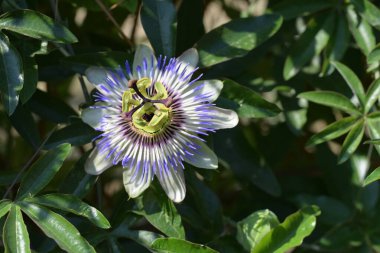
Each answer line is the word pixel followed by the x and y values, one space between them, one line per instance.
pixel 310 43
pixel 332 131
pixel 175 245
pixel 5 205
pixel 290 233
pixel 352 141
pixel 160 211
pixel 374 176
pixel 331 99
pixel 361 31
pixel 373 94
pixel 72 204
pixel 57 227
pixel 236 38
pixel 352 81
pixel 15 235
pixel 11 73
pixel 36 25
pixel 42 171
pixel 338 44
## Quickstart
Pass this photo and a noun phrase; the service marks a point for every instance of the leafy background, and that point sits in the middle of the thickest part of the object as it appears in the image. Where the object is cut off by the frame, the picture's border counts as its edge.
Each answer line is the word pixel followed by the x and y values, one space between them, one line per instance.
pixel 298 174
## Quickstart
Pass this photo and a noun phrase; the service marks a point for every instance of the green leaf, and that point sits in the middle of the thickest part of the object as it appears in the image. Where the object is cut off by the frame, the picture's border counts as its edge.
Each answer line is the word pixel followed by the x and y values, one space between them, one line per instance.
pixel 11 72
pixel 78 182
pixel 76 134
pixel 236 38
pixel 160 211
pixel 250 104
pixel 352 141
pixel 50 108
pixel 333 211
pixel 290 9
pixel 142 237
pixel 253 228
pixel 31 78
pixel 109 59
pixel 368 11
pixel 374 141
pixel 338 44
pixel 374 55
pixel 332 131
pixel 58 228
pixel 373 124
pixel 331 99
pixel 352 81
pixel 310 43
pixel 290 233
pixel 174 245
pixel 36 25
pixel 5 205
pixel 72 204
pixel 42 171
pixel 373 94
pixel 15 235
pixel 159 21
pixel 23 121
pixel 374 176
pixel 190 24
pixel 361 31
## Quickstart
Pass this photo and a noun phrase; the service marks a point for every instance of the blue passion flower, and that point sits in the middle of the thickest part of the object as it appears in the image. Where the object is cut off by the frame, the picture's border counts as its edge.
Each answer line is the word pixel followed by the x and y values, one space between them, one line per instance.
pixel 152 117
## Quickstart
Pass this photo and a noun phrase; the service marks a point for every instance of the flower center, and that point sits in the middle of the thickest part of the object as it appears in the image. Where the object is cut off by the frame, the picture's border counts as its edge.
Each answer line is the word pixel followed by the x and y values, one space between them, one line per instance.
pixel 149 112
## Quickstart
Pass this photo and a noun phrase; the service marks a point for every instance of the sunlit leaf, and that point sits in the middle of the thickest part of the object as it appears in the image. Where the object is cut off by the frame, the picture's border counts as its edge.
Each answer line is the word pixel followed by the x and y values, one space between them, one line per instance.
pixel 332 131
pixel 352 141
pixel 42 171
pixel 368 11
pixel 331 99
pixel 253 228
pixel 58 228
pixel 72 204
pixel 36 25
pixel 352 81
pixel 361 31
pixel 5 205
pixel 160 211
pixel 374 176
pixel 236 38
pixel 373 94
pixel 15 235
pixel 249 103
pixel 174 245
pixel 290 233
pixel 11 72
pixel 309 44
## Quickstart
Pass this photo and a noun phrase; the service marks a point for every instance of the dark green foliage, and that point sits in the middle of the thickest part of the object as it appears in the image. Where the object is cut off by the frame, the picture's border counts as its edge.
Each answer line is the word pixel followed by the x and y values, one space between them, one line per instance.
pixel 298 174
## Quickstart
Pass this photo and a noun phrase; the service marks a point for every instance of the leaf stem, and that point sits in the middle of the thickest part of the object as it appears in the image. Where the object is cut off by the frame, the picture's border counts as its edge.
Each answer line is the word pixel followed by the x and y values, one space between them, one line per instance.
pixel 113 21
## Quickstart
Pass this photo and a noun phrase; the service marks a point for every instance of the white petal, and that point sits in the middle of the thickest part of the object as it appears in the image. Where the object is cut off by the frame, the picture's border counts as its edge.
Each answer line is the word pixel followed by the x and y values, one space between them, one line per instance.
pixel 143 52
pixel 189 57
pixel 97 162
pixel 209 88
pixel 135 181
pixel 173 182
pixel 223 118
pixel 203 158
pixel 92 116
pixel 97 75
